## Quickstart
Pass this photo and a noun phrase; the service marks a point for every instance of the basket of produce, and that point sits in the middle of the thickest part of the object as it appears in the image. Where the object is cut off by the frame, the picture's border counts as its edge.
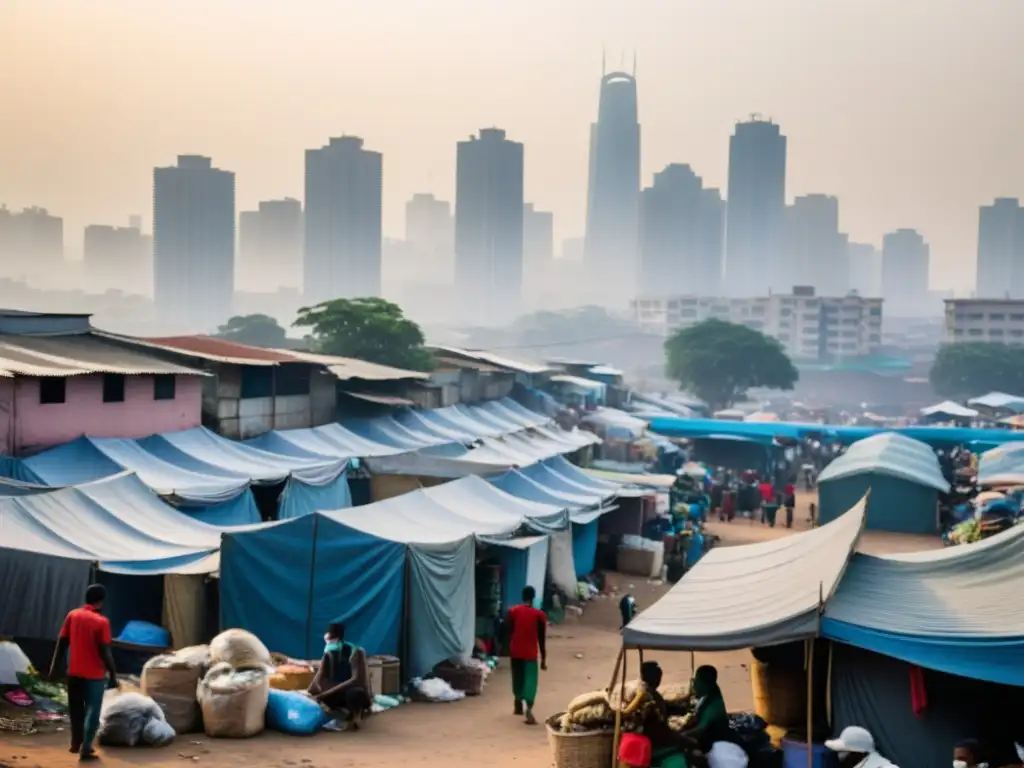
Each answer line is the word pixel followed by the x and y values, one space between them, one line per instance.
pixel 579 749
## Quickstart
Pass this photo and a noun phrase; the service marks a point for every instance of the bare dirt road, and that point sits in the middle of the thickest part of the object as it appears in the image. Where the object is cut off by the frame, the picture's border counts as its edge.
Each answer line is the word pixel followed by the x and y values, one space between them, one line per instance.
pixel 473 732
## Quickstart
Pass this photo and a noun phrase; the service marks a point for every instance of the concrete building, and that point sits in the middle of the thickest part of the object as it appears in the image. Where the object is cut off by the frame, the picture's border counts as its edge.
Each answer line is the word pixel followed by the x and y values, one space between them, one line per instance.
pixel 682 226
pixel 1000 268
pixel 430 229
pixel 489 227
pixel 193 244
pixel 117 258
pixel 905 257
pixel 538 248
pixel 815 250
pixel 343 227
pixel 755 220
pixel 31 241
pixel 613 192
pixel 999 320
pixel 62 379
pixel 865 269
pixel 574 249
pixel 810 327
pixel 270 246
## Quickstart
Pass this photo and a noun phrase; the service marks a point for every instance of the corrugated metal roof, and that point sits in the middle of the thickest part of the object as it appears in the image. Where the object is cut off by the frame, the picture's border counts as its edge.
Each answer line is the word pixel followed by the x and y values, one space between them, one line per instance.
pixel 482 356
pixel 78 354
pixel 219 350
pixel 370 397
pixel 345 368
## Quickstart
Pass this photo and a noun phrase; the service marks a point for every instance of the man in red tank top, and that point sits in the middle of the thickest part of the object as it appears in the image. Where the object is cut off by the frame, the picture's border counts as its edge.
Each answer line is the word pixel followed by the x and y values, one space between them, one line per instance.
pixel 526 628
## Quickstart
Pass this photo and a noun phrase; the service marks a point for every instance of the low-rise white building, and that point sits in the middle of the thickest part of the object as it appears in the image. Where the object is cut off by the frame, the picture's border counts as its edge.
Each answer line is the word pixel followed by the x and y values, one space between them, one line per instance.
pixel 984 320
pixel 810 327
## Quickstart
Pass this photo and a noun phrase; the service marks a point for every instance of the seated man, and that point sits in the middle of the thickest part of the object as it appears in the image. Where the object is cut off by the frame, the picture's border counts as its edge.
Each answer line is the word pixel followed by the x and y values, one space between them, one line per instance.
pixel 342 683
pixel 710 718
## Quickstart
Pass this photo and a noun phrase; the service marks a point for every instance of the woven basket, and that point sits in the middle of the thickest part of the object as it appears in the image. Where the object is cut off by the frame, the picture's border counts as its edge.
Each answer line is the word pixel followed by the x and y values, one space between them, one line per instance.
pixel 579 750
pixel 467 679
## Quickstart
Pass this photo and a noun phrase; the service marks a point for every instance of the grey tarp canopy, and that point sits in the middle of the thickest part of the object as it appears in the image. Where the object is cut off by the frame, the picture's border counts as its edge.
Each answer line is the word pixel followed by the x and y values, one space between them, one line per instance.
pixel 757 594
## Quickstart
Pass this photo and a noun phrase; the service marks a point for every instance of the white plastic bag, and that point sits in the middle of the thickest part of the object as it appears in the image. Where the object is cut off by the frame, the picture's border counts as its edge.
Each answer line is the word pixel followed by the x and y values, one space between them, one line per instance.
pixel 157 733
pixel 724 754
pixel 124 717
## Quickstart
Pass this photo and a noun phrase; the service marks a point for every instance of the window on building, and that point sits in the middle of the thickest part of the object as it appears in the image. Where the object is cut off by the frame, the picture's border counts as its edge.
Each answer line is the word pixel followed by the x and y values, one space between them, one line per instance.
pixel 1014 332
pixel 52 391
pixel 996 332
pixel 292 379
pixel 1017 318
pixel 163 387
pixel 113 388
pixel 999 316
pixel 974 331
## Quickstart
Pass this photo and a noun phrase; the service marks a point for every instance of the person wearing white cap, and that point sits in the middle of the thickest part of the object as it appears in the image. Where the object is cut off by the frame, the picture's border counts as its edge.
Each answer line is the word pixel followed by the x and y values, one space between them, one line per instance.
pixel 855 748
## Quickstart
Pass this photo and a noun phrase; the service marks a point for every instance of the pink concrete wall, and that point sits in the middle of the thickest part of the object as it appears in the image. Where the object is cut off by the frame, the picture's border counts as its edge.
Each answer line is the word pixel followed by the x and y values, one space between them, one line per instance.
pixel 37 426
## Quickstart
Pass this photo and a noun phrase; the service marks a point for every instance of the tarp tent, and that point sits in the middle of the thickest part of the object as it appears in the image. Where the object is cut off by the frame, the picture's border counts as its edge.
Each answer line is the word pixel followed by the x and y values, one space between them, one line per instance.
pixel 751 595
pixel 956 610
pixel 949 410
pixel 1002 466
pixel 999 401
pixel 903 477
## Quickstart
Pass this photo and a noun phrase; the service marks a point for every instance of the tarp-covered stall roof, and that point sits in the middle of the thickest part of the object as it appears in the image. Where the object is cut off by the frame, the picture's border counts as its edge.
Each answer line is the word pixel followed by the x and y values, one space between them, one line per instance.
pixel 889 454
pixel 476 499
pixel 751 595
pixel 1002 466
pixel 957 610
pixel 999 401
pixel 951 409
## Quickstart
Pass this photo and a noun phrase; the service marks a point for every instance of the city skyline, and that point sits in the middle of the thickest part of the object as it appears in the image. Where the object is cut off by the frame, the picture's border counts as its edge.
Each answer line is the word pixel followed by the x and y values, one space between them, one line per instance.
pixel 926 163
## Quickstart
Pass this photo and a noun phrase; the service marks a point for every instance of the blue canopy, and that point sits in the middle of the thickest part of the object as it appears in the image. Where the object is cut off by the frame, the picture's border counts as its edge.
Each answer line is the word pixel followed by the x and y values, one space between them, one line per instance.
pixel 1003 465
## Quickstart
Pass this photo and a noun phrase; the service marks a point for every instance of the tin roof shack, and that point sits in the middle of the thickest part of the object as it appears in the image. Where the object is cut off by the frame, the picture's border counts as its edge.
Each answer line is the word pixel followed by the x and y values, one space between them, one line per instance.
pixel 254 390
pixel 471 376
pixel 616 393
pixel 61 379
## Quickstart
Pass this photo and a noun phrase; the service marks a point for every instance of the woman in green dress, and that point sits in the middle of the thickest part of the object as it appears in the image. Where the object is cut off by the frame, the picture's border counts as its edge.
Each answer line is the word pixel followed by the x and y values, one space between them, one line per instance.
pixel 710 719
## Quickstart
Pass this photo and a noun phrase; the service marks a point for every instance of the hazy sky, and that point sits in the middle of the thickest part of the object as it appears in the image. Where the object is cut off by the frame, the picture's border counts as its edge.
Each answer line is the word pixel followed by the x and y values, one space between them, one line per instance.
pixel 908 110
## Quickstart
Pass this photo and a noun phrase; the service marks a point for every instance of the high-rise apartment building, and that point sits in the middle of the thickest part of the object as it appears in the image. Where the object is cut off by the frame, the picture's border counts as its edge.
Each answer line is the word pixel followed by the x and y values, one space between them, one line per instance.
pixel 270 245
pixel 991 320
pixel 905 258
pixel 344 187
pixel 193 244
pixel 810 327
pixel 755 219
pixel 1000 268
pixel 613 192
pixel 117 258
pixel 538 247
pixel 489 226
pixel 31 241
pixel 430 229
pixel 814 250
pixel 865 269
pixel 682 225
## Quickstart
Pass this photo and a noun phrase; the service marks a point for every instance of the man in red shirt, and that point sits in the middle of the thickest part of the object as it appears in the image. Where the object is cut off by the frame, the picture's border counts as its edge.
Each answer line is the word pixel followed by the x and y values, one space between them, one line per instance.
pixel 85 641
pixel 526 628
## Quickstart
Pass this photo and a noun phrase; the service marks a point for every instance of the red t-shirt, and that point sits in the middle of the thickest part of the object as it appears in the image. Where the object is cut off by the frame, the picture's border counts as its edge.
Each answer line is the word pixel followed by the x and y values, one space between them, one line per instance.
pixel 86 629
pixel 526 624
pixel 767 493
pixel 790 490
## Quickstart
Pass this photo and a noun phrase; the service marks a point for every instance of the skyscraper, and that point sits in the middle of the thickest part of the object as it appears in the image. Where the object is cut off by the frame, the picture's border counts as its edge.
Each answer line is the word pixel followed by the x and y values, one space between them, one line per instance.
pixel 270 245
pixel 344 187
pixel 117 258
pixel 755 219
pixel 193 244
pixel 489 226
pixel 31 241
pixel 430 228
pixel 682 224
pixel 865 269
pixel 613 193
pixel 538 247
pixel 1001 250
pixel 905 257
pixel 814 251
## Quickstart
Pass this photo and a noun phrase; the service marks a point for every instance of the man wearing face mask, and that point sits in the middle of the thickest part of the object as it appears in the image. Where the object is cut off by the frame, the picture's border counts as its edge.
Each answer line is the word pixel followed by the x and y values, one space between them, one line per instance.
pixel 968 754
pixel 855 748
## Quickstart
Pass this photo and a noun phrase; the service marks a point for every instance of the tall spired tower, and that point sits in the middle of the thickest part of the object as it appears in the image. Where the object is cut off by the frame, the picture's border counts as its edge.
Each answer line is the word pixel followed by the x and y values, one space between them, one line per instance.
pixel 613 193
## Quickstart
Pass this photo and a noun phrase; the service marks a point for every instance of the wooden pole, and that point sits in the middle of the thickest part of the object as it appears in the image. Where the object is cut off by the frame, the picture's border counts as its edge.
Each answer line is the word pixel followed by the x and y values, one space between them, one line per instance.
pixel 615 672
pixel 618 711
pixel 809 655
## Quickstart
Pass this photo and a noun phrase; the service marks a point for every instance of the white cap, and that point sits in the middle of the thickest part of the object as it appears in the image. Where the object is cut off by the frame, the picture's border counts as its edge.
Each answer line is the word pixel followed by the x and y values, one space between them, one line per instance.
pixel 853 739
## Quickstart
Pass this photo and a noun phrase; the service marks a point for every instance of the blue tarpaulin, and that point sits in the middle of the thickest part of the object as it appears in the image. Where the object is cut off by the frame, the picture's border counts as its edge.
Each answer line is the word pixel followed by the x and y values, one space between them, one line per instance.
pixel 584 547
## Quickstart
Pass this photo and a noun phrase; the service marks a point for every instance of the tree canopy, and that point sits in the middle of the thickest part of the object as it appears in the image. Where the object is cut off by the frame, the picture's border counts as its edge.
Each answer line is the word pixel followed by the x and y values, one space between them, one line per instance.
pixel 720 361
pixel 367 328
pixel 974 368
pixel 256 330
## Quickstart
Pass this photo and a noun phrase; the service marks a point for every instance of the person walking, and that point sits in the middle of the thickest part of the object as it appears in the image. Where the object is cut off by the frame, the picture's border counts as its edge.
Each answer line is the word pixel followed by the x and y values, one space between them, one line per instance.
pixel 526 627
pixel 85 642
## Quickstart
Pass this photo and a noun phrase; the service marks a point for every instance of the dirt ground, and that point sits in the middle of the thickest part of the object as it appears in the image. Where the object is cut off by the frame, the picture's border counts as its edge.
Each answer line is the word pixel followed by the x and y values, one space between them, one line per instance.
pixel 473 732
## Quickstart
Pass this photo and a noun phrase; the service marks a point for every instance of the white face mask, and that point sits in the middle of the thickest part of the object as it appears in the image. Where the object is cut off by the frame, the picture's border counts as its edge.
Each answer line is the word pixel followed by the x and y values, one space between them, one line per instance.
pixel 1020 752
pixel 960 764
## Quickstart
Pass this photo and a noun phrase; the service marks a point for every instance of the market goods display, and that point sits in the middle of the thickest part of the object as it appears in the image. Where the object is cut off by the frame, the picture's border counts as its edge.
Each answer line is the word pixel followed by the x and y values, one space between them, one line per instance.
pixel 240 649
pixel 234 701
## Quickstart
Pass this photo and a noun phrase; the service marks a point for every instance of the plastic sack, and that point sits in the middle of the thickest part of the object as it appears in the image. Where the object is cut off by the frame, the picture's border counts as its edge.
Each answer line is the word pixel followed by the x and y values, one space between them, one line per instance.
pixel 172 682
pixel 157 733
pixel 233 702
pixel 724 754
pixel 294 713
pixel 240 649
pixel 144 633
pixel 124 717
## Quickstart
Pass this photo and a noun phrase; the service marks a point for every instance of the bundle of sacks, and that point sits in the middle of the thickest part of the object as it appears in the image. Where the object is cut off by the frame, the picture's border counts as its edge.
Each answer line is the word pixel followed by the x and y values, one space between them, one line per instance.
pixel 596 710
pixel 128 719
pixel 233 693
pixel 171 681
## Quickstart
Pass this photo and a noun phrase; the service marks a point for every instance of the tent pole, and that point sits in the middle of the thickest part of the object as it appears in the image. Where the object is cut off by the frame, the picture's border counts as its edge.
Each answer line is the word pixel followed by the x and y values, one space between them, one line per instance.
pixel 693 664
pixel 615 672
pixel 618 711
pixel 809 654
pixel 312 584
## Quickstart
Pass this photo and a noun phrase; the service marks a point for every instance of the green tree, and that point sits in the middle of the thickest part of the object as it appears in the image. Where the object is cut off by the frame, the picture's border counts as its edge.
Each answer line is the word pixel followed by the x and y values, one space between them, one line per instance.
pixel 369 329
pixel 720 361
pixel 256 330
pixel 974 368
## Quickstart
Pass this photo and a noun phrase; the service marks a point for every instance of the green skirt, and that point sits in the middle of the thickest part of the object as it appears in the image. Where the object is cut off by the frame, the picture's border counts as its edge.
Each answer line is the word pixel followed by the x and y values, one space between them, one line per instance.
pixel 524 680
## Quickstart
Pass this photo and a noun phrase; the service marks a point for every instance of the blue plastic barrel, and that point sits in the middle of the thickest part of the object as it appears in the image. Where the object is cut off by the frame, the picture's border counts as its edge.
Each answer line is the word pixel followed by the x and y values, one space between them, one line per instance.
pixel 794 755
